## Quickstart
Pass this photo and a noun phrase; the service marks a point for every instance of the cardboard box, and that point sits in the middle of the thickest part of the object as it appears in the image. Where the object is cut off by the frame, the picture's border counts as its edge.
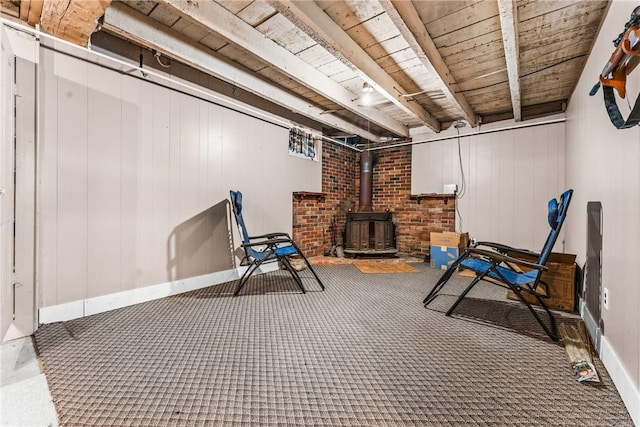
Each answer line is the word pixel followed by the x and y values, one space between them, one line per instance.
pixel 446 247
pixel 443 256
pixel 450 239
pixel 561 280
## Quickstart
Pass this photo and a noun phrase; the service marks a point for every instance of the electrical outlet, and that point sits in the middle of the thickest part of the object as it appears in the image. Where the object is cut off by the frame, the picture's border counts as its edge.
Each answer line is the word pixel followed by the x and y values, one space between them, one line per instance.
pixel 605 298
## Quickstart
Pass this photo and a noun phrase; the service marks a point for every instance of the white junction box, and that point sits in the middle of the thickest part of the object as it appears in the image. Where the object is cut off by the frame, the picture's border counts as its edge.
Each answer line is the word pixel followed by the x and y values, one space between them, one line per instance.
pixel 449 188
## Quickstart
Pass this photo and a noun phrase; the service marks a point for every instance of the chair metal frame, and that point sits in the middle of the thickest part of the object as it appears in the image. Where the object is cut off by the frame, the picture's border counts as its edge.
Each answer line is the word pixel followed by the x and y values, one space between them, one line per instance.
pixel 497 266
pixel 267 247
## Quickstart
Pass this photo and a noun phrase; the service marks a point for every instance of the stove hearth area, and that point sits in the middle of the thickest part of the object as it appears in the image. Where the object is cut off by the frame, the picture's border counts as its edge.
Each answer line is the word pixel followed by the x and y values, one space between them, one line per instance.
pixel 370 233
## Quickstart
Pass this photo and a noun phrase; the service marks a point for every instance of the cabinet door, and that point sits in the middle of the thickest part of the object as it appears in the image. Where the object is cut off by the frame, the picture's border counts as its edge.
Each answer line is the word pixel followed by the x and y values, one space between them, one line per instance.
pixel 381 235
pixel 357 233
pixel 364 235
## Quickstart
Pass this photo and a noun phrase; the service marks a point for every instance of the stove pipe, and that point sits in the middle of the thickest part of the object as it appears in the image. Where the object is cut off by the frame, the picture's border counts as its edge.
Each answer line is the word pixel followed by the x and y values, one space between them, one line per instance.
pixel 367 161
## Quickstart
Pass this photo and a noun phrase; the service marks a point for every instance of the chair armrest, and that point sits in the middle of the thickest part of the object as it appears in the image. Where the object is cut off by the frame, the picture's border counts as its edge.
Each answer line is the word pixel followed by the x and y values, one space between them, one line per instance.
pixel 504 258
pixel 504 249
pixel 268 242
pixel 270 236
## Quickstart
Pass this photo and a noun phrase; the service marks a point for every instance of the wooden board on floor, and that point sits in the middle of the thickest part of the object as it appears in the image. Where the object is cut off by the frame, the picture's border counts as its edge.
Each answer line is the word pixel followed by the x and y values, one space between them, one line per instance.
pixel 577 347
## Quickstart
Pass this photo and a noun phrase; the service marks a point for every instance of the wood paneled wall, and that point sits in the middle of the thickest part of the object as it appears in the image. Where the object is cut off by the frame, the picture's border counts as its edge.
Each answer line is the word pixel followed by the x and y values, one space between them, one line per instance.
pixel 509 177
pixel 134 178
pixel 602 166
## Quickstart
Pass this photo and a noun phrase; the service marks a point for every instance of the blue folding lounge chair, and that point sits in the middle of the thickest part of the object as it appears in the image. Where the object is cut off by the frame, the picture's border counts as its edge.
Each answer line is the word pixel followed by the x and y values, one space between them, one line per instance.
pixel 496 263
pixel 265 248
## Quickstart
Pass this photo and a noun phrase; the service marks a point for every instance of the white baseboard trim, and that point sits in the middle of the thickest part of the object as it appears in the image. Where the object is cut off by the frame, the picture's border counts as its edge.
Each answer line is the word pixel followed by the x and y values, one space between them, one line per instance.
pixel 61 312
pixel 86 307
pixel 624 384
pixel 621 378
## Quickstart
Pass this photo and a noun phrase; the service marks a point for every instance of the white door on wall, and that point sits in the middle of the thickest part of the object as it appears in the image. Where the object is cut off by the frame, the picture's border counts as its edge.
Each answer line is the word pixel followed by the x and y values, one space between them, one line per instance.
pixel 7 69
pixel 17 184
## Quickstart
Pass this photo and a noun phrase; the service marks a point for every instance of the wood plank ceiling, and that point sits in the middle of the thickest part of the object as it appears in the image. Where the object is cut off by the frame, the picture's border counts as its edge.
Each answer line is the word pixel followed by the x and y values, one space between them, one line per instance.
pixel 429 63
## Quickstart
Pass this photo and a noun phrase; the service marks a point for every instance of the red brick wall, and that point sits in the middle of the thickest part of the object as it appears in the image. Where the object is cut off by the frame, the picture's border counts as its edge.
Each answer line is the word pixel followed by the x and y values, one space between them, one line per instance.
pixel 338 181
pixel 414 219
pixel 315 214
pixel 310 219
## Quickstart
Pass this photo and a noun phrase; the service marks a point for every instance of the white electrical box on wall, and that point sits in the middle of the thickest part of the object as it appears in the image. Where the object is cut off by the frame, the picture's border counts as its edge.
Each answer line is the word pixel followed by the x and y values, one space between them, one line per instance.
pixel 449 188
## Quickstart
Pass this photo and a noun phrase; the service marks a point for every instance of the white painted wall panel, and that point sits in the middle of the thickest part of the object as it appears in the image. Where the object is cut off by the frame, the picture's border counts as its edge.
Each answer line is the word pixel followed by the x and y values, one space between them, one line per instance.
pixel 505 214
pixel 509 177
pixel 187 186
pixel 130 198
pixel 48 184
pixel 202 262
pixel 161 260
pixel 173 195
pixel 493 227
pixel 602 165
pixel 72 191
pixel 138 178
pixel 104 168
pixel 144 200
pixel 479 178
pixel 215 151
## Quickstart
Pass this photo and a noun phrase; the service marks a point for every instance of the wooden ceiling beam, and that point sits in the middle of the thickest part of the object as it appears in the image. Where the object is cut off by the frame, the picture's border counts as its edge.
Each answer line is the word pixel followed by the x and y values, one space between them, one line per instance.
pixel 312 19
pixel 30 11
pixel 9 8
pixel 71 20
pixel 509 25
pixel 215 17
pixel 126 22
pixel 407 20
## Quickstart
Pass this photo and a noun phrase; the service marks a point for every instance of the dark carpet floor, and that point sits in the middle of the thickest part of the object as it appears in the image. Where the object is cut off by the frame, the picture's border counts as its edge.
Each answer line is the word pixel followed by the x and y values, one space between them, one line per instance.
pixel 365 352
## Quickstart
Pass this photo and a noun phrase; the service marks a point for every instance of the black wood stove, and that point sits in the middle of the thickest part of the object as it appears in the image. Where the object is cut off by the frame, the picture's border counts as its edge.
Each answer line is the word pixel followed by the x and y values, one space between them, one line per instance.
pixel 368 232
